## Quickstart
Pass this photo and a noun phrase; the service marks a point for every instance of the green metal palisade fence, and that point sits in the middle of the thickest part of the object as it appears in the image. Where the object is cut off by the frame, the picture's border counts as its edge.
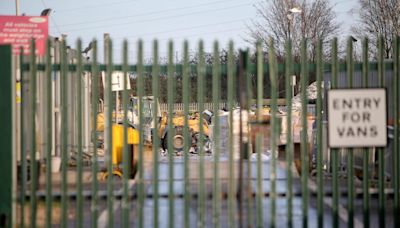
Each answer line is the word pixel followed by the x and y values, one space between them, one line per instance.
pixel 225 187
pixel 6 141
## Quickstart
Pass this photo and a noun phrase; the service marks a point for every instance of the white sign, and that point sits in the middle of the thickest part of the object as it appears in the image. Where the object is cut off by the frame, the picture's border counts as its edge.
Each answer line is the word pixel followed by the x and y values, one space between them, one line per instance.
pixel 357 118
pixel 117 81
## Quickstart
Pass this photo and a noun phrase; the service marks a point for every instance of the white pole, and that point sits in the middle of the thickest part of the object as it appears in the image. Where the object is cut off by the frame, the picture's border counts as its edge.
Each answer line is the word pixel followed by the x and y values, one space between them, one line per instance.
pixel 16 7
pixel 116 106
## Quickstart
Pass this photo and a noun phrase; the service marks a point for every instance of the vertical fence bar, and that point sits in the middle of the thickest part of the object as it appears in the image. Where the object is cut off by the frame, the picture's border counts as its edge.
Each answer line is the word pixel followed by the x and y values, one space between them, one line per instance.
pixel 242 147
pixel 320 196
pixel 108 108
pixel 260 80
pixel 259 187
pixel 365 73
pixel 156 137
pixel 79 75
pixel 334 152
pixel 201 70
pixel 396 111
pixel 22 143
pixel 185 75
pixel 108 130
pixel 260 95
pixel 216 137
pixel 140 93
pixel 248 177
pixel 126 152
pixel 247 174
pixel 231 184
pixel 350 155
pixel 32 149
pixel 289 136
pixel 64 135
pixel 7 107
pixel 170 134
pixel 49 145
pixel 381 151
pixel 274 109
pixel 95 96
pixel 304 137
pixel 289 150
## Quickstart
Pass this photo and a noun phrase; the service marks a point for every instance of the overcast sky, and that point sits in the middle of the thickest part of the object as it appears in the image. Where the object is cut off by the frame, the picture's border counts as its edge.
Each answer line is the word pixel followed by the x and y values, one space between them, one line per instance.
pixel 209 20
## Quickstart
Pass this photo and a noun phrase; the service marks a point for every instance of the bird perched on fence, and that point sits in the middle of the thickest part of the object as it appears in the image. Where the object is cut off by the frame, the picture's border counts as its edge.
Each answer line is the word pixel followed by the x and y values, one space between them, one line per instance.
pixel 88 48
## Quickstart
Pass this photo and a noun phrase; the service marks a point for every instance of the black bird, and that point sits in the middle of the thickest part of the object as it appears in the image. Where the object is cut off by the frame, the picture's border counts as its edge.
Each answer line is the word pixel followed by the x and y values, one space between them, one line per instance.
pixel 353 39
pixel 88 48
pixel 46 12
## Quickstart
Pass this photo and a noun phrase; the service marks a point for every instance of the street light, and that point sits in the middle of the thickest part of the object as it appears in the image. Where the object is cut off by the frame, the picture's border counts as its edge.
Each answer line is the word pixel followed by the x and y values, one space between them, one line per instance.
pixel 295 10
pixel 290 16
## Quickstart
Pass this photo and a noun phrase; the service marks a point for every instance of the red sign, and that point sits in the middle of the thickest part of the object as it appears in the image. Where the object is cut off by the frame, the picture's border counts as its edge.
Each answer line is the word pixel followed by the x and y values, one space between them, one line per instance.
pixel 19 30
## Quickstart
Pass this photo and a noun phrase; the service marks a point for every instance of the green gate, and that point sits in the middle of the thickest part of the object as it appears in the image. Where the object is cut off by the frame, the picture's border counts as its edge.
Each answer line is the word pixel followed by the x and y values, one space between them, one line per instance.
pixel 252 164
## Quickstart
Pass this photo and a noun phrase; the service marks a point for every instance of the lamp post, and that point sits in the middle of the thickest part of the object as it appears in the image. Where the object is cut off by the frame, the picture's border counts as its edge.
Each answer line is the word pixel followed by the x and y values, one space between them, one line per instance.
pixel 290 16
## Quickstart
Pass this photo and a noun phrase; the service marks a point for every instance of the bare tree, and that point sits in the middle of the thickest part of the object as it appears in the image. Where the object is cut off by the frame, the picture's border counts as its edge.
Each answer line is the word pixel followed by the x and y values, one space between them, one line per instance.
pixel 295 20
pixel 379 18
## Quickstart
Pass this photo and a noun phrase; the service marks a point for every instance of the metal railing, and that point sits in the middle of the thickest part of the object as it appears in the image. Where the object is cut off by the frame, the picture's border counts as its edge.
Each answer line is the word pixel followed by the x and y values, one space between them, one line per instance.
pixel 220 187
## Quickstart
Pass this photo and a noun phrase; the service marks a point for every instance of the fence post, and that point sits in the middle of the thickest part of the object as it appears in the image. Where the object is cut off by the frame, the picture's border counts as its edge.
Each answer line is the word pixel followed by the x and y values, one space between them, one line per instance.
pixel 6 142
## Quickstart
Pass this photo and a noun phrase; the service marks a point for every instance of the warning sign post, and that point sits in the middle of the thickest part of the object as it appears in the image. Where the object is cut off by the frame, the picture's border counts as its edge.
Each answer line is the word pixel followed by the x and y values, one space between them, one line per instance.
pixel 357 118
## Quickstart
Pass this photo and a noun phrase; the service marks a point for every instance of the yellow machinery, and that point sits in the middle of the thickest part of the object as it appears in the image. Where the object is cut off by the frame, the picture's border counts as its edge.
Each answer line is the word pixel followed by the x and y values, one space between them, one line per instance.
pixel 117 148
pixel 178 122
pixel 133 133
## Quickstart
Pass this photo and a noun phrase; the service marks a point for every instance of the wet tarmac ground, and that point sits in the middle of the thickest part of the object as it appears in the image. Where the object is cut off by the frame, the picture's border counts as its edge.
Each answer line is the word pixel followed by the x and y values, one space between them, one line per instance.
pixel 244 216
